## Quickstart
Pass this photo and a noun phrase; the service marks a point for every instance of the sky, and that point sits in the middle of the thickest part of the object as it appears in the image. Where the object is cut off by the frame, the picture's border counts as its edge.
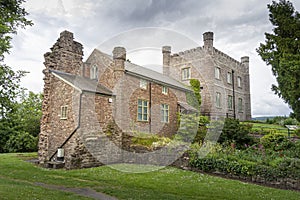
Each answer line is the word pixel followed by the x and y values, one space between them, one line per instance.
pixel 238 27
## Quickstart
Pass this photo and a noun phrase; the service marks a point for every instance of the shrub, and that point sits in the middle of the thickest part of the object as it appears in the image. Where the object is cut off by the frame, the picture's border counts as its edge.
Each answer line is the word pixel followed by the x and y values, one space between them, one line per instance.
pixel 290 121
pixel 21 142
pixel 239 133
pixel 276 141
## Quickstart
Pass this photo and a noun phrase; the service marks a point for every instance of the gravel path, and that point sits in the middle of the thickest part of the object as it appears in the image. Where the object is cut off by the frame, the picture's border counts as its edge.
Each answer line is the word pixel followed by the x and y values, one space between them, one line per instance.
pixel 87 192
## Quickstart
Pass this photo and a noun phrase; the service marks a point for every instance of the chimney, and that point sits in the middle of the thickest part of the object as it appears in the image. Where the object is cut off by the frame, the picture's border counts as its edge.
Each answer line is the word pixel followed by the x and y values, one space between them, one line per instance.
pixel 166 51
pixel 208 39
pixel 119 56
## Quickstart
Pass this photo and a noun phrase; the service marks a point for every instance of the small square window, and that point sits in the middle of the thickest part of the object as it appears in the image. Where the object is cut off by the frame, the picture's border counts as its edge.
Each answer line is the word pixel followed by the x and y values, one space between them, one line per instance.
pixel 186 73
pixel 229 77
pixel 143 84
pixel 217 73
pixel 164 90
pixel 63 112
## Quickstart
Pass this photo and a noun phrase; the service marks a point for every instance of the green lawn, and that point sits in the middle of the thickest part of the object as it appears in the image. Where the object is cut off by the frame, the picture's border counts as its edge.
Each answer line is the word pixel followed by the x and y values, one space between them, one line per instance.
pixel 18 181
pixel 267 128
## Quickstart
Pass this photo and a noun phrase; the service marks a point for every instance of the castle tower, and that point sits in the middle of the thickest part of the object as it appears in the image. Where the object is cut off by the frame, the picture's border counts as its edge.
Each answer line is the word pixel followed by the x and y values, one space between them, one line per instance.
pixel 245 65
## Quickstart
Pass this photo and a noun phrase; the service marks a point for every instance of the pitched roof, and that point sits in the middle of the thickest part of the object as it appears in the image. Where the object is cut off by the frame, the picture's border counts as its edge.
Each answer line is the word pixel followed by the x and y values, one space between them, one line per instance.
pixel 154 76
pixel 82 83
pixel 148 74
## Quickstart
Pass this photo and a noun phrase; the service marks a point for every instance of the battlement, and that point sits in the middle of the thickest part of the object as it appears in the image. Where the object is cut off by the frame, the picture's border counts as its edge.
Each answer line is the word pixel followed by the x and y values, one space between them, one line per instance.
pixel 218 52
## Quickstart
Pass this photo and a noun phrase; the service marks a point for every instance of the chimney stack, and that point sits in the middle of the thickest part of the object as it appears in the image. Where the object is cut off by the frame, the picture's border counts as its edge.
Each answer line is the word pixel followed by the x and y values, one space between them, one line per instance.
pixel 208 39
pixel 166 51
pixel 119 56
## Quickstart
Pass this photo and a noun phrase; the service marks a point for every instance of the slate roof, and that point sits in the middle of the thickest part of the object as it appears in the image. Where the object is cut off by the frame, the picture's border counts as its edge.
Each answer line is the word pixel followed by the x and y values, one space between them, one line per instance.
pixel 148 74
pixel 154 76
pixel 82 83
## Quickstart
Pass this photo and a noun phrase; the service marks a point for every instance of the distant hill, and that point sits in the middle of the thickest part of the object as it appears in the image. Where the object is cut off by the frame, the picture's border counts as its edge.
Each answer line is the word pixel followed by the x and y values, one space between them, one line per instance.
pixel 263 118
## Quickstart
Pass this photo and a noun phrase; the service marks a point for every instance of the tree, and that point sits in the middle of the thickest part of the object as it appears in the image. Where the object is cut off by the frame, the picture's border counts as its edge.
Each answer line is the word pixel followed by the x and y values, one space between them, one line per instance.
pixel 12 16
pixel 282 52
pixel 20 128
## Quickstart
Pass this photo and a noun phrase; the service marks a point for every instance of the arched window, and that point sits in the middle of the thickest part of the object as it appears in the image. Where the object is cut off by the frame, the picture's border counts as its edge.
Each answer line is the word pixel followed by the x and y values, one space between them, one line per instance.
pixel 94 72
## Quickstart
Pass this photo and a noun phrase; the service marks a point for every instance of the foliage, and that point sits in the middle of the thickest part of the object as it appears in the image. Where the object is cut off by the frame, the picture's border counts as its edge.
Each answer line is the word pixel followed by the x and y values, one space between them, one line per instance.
pixel 282 52
pixel 237 133
pixel 188 128
pixel 275 141
pixel 9 88
pixel 195 85
pixel 149 140
pixel 12 16
pixel 21 142
pixel 24 118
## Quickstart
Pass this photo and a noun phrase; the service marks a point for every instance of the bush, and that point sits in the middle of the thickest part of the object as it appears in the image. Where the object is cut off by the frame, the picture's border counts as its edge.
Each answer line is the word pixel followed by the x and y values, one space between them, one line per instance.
pixel 239 133
pixel 290 121
pixel 21 142
pixel 276 141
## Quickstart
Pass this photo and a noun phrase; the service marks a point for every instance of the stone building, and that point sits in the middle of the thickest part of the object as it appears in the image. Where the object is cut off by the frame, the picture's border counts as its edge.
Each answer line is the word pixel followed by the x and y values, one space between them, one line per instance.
pixel 84 102
pixel 106 95
pixel 225 81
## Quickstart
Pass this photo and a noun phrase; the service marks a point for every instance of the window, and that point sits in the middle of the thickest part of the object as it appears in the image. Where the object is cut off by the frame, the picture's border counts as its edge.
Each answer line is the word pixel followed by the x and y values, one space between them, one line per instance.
pixel 218 100
pixel 143 84
pixel 94 72
pixel 164 90
pixel 165 113
pixel 63 112
pixel 217 73
pixel 239 81
pixel 230 102
pixel 186 73
pixel 240 105
pixel 229 77
pixel 142 112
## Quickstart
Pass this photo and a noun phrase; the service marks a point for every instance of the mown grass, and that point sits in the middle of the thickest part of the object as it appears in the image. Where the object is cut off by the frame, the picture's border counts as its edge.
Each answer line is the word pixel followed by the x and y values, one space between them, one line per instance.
pixel 18 181
pixel 263 128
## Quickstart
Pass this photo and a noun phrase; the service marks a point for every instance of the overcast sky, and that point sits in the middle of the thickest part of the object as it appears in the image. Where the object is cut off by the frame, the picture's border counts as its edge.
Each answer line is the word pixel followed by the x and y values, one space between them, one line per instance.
pixel 238 27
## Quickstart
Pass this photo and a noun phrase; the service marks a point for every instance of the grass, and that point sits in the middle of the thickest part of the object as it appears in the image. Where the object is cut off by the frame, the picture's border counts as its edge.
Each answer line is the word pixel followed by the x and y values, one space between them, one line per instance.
pixel 18 181
pixel 263 128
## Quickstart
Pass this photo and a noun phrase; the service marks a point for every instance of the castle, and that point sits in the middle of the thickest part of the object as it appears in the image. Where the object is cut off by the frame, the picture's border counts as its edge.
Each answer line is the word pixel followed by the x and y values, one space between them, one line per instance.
pixel 107 94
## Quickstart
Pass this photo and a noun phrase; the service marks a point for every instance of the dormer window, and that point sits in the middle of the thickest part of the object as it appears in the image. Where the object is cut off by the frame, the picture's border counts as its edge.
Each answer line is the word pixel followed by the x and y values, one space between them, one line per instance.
pixel 94 72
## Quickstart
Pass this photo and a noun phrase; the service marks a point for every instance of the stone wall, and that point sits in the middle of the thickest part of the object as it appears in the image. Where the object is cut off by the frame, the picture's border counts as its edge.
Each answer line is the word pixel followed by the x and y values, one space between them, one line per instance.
pixel 202 61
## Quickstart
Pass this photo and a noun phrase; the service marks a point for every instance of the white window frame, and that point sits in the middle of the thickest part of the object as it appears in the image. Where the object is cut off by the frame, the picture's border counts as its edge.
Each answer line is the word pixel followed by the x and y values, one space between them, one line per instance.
pixel 239 81
pixel 165 111
pixel 230 102
pixel 143 84
pixel 64 112
pixel 94 72
pixel 229 77
pixel 164 90
pixel 142 110
pixel 218 99
pixel 217 73
pixel 186 73
pixel 240 105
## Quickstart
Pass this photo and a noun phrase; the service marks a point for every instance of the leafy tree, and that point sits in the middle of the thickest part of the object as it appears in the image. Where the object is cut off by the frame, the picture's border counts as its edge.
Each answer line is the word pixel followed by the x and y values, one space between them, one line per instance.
pixel 12 16
pixel 282 52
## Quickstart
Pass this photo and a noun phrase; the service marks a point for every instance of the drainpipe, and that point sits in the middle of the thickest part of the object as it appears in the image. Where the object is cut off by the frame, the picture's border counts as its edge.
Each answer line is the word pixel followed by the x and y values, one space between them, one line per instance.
pixel 233 95
pixel 74 131
pixel 150 100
